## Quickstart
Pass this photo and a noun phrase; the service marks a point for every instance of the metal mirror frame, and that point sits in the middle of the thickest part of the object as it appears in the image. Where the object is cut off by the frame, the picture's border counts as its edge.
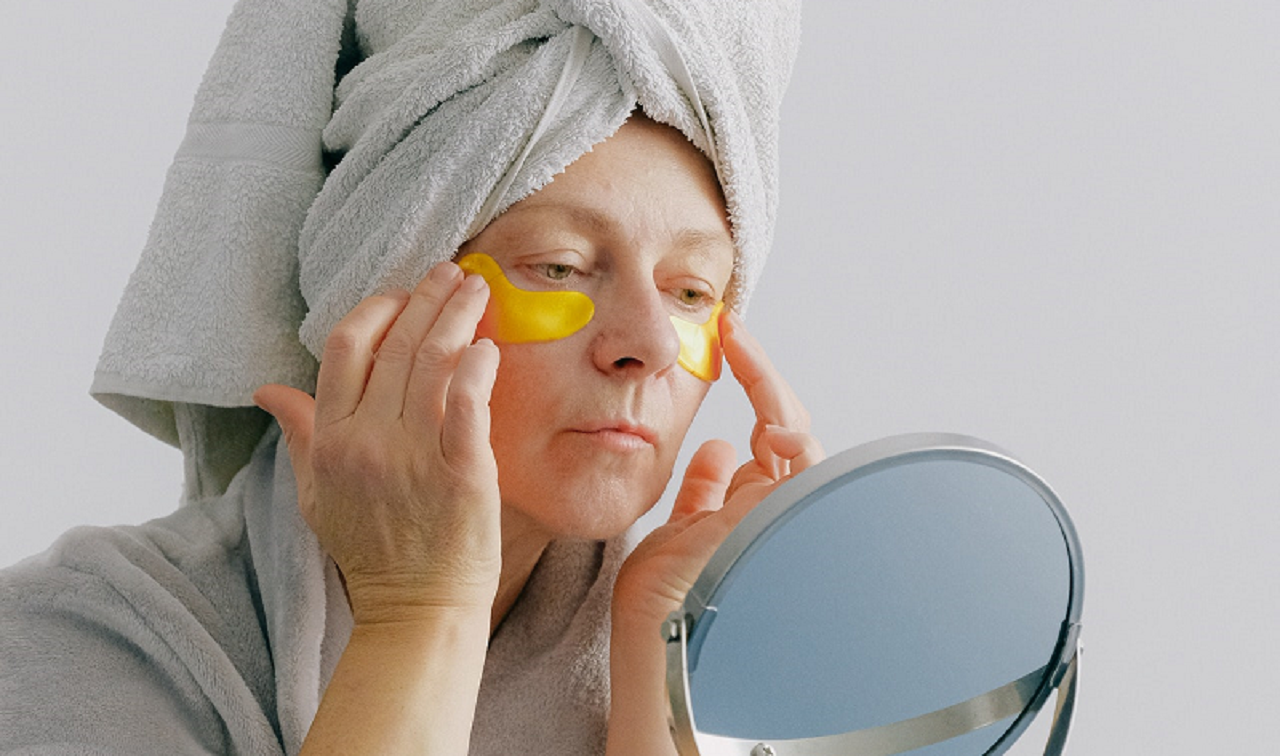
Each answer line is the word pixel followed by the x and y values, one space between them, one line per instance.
pixel 685 629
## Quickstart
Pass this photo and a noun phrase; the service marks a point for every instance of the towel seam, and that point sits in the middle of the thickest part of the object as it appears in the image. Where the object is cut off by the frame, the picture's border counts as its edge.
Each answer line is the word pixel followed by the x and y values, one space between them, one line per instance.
pixel 274 145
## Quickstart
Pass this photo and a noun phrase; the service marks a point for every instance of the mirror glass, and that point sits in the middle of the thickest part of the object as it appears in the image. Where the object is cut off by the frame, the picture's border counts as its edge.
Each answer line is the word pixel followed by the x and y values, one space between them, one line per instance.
pixel 890 593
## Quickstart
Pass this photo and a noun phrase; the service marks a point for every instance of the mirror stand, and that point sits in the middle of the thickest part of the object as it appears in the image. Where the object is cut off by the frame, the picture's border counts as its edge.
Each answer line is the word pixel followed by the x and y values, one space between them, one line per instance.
pixel 885 740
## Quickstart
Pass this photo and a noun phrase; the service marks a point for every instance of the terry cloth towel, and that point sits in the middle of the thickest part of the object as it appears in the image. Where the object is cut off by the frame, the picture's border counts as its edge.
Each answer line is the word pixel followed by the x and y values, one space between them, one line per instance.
pixel 216 629
pixel 443 115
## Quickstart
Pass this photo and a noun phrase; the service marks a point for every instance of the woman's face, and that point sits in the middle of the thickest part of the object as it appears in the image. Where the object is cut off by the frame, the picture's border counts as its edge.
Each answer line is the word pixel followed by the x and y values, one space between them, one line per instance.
pixel 586 428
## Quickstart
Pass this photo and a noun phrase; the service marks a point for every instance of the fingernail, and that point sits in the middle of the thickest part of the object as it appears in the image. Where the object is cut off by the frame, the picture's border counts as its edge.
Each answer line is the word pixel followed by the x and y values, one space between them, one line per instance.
pixel 445 272
pixel 473 283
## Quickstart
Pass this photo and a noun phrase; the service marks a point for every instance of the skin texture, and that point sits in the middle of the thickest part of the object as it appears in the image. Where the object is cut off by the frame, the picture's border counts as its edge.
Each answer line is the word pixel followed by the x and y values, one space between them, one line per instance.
pixel 423 432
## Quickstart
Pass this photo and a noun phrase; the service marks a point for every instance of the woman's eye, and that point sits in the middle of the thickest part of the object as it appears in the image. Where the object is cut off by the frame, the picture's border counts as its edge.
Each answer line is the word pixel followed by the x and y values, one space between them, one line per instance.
pixel 559 271
pixel 556 271
pixel 691 297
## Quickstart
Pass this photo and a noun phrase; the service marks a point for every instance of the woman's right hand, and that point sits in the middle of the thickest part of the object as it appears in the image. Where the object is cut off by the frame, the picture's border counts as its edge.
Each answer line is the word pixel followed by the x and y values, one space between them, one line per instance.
pixel 395 472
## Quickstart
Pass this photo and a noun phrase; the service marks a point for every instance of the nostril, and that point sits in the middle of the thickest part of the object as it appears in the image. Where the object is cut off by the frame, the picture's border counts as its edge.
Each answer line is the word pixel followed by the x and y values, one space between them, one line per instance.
pixel 625 362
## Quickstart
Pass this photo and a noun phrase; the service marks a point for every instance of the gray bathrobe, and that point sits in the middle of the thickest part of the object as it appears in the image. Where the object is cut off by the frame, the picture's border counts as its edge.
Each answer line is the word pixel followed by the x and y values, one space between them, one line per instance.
pixel 215 629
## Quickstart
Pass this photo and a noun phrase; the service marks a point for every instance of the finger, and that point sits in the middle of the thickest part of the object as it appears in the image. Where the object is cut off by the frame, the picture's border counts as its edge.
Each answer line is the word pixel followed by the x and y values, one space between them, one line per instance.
pixel 773 466
pixel 777 453
pixel 348 353
pixel 705 480
pixel 464 436
pixel 293 409
pixel 393 363
pixel 799 451
pixel 751 473
pixel 441 351
pixel 770 395
pixel 785 453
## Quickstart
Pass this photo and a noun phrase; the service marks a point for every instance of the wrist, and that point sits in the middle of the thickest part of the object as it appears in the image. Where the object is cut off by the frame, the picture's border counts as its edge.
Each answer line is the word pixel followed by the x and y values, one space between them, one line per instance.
pixel 406 602
pixel 637 619
pixel 408 621
pixel 637 660
pixel 638 710
pixel 405 685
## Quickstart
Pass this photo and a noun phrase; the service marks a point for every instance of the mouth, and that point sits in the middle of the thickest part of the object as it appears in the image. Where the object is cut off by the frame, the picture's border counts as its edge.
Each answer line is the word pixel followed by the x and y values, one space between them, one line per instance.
pixel 620 434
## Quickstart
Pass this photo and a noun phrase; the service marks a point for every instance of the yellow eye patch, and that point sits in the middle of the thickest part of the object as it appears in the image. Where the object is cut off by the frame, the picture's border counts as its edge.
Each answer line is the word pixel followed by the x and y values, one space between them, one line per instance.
pixel 520 316
pixel 700 345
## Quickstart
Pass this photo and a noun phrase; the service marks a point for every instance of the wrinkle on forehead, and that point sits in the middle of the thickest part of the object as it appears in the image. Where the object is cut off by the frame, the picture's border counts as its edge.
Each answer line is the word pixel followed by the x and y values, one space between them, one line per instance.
pixel 705 242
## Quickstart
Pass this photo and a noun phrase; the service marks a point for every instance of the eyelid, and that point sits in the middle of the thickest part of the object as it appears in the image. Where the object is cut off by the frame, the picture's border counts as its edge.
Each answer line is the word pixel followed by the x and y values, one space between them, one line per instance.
pixel 545 269
pixel 705 291
pixel 534 269
pixel 702 298
pixel 550 255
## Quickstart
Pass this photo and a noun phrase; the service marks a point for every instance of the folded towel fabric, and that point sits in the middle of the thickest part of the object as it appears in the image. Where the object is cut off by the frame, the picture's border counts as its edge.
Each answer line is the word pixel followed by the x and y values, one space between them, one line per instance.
pixel 216 629
pixel 444 114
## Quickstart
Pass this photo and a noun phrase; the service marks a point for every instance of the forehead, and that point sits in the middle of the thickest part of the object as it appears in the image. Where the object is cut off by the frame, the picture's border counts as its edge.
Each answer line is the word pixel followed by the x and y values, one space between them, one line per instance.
pixel 707 242
pixel 644 186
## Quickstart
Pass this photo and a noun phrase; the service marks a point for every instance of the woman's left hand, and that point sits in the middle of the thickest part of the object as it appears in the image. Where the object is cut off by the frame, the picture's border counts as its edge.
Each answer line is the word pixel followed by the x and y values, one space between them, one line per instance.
pixel 714 497
pixel 712 500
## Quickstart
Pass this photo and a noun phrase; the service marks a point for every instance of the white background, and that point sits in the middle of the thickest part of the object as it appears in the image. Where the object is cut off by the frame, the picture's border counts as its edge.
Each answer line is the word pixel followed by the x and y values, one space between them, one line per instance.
pixel 1053 226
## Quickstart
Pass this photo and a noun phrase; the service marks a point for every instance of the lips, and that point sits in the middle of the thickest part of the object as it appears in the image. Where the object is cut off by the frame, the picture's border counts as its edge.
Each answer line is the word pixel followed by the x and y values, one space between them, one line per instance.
pixel 624 431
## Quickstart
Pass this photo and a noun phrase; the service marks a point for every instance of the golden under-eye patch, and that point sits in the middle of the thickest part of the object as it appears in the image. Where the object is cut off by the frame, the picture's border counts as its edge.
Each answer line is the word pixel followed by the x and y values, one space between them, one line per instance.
pixel 700 352
pixel 518 316
pixel 521 316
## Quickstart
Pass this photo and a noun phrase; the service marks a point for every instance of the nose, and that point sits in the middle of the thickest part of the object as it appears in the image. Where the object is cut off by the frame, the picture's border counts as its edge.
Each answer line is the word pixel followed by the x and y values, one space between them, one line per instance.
pixel 634 335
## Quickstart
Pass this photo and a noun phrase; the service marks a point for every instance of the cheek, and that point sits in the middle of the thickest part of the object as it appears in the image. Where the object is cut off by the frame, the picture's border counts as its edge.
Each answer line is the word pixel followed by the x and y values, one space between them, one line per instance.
pixel 526 387
pixel 688 400
pixel 539 389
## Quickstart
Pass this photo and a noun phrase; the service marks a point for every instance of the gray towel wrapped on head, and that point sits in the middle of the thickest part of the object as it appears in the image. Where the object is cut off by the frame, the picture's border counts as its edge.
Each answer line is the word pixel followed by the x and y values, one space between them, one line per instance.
pixel 445 114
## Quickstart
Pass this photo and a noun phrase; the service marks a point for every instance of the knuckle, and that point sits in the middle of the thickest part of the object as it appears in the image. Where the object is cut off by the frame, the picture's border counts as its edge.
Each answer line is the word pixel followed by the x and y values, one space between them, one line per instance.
pixel 429 291
pixel 343 341
pixel 396 348
pixel 433 352
pixel 467 399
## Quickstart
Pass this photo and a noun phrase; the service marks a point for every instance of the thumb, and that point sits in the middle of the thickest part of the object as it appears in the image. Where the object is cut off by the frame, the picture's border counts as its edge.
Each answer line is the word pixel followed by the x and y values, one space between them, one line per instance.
pixel 295 411
pixel 705 480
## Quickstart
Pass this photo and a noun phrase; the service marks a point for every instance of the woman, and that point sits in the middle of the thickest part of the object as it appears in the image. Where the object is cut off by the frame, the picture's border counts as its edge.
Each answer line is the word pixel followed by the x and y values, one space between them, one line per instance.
pixel 449 589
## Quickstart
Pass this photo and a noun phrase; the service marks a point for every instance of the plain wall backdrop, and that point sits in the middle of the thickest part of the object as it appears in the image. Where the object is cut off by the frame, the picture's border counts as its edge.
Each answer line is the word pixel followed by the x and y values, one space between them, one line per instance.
pixel 1051 225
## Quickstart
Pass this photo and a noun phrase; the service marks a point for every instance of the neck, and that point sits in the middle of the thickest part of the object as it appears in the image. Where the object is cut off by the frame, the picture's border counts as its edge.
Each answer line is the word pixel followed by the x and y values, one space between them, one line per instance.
pixel 523 542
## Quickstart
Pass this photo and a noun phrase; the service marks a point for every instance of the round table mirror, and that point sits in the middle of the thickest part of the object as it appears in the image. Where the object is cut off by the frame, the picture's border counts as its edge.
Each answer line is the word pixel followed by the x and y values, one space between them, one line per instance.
pixel 920 595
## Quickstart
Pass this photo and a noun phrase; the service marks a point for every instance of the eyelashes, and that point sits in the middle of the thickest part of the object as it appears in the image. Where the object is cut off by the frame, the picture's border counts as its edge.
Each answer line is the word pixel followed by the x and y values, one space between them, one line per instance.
pixel 688 298
pixel 694 297
pixel 554 271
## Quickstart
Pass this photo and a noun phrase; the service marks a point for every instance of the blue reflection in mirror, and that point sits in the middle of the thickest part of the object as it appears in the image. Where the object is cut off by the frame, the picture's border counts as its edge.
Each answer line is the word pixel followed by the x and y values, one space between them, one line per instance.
pixel 886 595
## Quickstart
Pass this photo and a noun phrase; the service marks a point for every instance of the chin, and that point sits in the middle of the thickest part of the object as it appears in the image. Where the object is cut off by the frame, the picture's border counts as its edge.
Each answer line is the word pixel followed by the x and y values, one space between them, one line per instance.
pixel 591 510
